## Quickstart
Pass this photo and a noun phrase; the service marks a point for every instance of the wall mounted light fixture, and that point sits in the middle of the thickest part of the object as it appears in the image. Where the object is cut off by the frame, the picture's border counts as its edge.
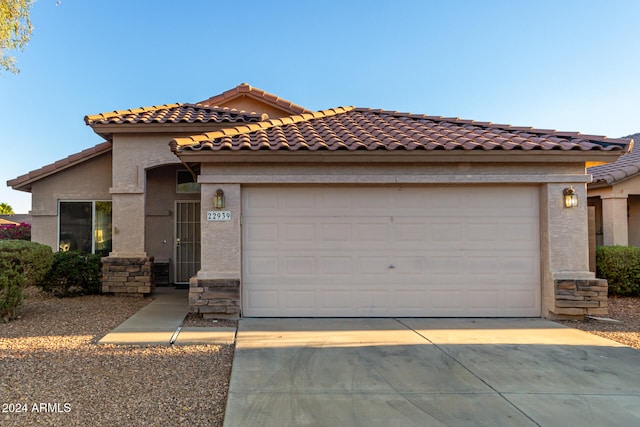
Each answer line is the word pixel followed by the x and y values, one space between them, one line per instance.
pixel 218 199
pixel 570 197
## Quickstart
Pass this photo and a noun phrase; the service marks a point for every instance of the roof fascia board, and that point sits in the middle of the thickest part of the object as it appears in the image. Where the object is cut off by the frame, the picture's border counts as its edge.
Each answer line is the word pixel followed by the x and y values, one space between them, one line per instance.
pixel 185 128
pixel 393 179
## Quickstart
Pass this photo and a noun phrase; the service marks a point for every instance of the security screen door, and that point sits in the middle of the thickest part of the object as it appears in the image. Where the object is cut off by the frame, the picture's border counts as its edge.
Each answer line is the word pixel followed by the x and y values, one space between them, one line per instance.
pixel 187 245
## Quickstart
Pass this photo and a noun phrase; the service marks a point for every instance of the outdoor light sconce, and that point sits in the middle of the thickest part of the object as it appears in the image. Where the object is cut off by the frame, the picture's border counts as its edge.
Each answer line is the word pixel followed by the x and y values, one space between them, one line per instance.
pixel 570 197
pixel 218 199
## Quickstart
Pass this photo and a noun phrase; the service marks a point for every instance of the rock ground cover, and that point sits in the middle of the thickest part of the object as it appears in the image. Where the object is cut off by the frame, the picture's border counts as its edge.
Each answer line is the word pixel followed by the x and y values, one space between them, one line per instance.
pixel 55 373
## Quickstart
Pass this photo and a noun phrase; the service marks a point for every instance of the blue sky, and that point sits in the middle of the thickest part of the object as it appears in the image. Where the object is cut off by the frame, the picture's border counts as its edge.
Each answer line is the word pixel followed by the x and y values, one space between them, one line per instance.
pixel 566 65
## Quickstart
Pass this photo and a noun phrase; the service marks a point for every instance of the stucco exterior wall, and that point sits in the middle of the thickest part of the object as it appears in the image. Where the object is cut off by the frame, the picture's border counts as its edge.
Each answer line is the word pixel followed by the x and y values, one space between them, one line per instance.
pixel 132 156
pixel 90 180
pixel 620 212
pixel 634 220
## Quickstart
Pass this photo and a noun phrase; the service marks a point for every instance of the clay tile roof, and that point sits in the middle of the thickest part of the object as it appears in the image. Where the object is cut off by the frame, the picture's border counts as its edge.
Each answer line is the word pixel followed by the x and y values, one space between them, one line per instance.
pixel 349 128
pixel 627 166
pixel 24 182
pixel 174 113
pixel 246 89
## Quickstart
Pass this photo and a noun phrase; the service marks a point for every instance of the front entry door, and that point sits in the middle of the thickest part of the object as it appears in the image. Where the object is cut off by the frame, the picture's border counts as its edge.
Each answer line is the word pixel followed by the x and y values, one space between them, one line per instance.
pixel 187 244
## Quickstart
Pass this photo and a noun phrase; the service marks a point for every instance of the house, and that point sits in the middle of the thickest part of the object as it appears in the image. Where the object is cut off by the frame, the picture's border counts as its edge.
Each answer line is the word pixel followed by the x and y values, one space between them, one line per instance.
pixel 615 195
pixel 266 208
pixel 15 219
pixel 7 222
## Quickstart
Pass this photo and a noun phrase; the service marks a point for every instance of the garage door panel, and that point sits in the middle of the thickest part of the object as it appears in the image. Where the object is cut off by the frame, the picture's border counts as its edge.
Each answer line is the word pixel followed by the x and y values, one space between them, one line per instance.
pixel 430 251
pixel 299 266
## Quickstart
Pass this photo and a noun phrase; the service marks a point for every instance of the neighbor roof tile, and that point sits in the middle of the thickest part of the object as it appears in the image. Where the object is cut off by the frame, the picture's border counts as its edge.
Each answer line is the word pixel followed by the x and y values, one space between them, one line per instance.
pixel 627 166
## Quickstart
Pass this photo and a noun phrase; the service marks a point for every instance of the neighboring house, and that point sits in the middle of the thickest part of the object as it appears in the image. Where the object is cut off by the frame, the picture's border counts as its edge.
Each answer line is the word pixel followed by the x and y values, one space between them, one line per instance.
pixel 615 194
pixel 268 209
pixel 17 219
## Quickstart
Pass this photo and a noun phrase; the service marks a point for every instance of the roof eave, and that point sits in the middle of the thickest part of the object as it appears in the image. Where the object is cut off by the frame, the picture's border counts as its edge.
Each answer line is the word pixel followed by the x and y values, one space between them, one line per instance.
pixel 24 182
pixel 107 131
pixel 436 156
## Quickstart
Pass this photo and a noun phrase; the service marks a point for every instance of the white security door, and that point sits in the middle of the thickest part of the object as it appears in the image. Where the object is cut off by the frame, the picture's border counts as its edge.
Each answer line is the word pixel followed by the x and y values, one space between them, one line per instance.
pixel 455 251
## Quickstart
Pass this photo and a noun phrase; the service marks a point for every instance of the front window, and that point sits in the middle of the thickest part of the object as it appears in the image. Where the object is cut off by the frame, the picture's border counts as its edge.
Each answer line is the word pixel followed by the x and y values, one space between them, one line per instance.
pixel 85 226
pixel 186 183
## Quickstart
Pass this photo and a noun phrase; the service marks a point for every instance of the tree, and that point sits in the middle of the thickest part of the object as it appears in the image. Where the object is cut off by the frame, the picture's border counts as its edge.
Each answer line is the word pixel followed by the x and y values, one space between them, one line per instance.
pixel 5 209
pixel 15 30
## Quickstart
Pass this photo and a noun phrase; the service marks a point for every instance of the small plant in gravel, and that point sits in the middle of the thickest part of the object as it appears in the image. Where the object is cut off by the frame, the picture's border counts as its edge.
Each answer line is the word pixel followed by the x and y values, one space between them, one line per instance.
pixel 73 273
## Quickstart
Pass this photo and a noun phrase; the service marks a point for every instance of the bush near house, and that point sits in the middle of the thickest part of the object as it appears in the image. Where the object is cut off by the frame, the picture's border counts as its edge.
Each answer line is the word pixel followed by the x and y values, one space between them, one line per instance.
pixel 73 273
pixel 21 263
pixel 11 287
pixel 620 265
pixel 20 231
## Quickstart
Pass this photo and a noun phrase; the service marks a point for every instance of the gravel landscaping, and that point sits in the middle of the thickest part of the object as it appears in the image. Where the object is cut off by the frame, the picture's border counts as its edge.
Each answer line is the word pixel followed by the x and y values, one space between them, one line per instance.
pixel 626 331
pixel 54 373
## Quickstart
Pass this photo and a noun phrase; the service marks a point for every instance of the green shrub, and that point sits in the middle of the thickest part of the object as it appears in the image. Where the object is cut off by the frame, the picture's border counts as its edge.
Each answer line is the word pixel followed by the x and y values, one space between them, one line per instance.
pixel 21 263
pixel 620 265
pixel 29 258
pixel 11 286
pixel 73 273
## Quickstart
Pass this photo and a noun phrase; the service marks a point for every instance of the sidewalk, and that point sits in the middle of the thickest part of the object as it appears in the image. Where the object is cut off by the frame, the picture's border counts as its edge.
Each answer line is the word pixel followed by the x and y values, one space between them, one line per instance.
pixel 158 323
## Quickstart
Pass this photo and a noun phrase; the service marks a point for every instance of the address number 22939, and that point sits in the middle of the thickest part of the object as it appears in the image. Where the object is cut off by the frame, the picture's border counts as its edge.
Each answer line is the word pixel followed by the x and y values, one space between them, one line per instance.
pixel 218 215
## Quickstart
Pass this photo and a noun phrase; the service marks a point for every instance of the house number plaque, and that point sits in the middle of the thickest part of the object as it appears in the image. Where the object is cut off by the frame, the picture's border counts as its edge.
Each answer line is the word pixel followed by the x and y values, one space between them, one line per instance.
pixel 218 215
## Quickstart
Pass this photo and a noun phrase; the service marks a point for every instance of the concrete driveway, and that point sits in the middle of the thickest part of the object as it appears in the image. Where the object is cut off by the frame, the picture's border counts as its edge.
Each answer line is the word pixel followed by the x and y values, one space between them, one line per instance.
pixel 429 372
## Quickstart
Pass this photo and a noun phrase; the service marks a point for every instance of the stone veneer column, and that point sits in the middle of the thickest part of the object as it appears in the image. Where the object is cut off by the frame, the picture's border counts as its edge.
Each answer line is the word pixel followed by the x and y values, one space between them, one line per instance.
pixel 615 226
pixel 569 288
pixel 127 275
pixel 215 292
pixel 127 269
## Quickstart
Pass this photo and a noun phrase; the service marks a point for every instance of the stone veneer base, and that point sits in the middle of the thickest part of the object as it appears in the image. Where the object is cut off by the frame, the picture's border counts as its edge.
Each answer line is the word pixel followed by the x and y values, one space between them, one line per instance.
pixel 580 297
pixel 215 298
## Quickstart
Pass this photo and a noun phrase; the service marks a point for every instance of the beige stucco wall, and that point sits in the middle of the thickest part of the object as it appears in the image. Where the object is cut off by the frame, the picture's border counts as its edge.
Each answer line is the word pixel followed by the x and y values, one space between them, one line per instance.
pixel 564 244
pixel 221 256
pixel 634 220
pixel 90 180
pixel 132 156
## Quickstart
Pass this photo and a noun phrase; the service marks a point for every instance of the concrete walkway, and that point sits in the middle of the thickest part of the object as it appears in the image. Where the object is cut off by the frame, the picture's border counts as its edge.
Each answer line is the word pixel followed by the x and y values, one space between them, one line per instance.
pixel 158 323
pixel 429 372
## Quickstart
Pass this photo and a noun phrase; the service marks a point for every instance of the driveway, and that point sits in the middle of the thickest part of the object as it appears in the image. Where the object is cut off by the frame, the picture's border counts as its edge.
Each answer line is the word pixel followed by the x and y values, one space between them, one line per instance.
pixel 429 372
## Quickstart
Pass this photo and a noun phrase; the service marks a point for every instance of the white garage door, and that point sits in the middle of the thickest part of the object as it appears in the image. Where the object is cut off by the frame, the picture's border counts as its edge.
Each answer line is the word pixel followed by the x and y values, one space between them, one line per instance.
pixel 454 251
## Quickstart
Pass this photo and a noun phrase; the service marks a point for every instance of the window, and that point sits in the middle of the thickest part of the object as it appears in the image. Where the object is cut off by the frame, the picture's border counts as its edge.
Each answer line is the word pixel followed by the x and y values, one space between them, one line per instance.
pixel 186 183
pixel 85 226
